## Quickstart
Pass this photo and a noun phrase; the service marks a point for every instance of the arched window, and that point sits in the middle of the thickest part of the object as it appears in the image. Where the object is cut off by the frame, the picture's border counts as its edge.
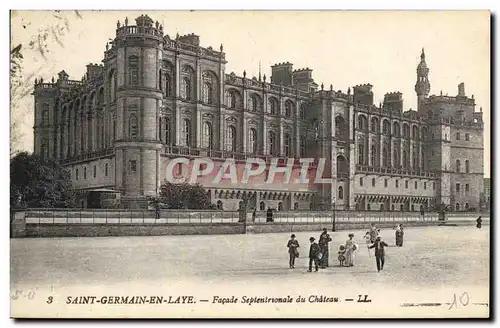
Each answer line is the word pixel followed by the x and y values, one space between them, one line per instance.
pixel 405 159
pixel 458 165
pixel 374 156
pixel 272 142
pixel 280 206
pixel 467 168
pixel 368 207
pixel 186 88
pixel 341 128
pixel 396 129
pixel 111 86
pixel 386 127
pixel 45 116
pixel 253 141
pixel 302 112
pixel 406 130
pixel 296 206
pixel 207 93
pixel 133 71
pixel 341 192
pixel 466 206
pixel 219 205
pixel 362 123
pixel 385 157
pixel 288 108
pixel 287 142
pixel 168 85
pixel 414 160
pixel 186 132
pixel 262 206
pixel 374 125
pixel 395 158
pixel 273 106
pixel 457 207
pixel 231 99
pixel 415 132
pixel 254 103
pixel 361 153
pixel 302 146
pixel 207 135
pixel 231 138
pixel 167 131
pixel 133 126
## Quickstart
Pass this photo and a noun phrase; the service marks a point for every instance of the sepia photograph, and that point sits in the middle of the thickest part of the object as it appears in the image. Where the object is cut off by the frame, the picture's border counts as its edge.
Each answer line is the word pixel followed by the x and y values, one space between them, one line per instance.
pixel 250 164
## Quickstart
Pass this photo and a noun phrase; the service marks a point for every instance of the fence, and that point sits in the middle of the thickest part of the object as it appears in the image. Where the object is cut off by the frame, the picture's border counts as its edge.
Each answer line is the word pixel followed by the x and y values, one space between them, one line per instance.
pixel 85 216
pixel 346 217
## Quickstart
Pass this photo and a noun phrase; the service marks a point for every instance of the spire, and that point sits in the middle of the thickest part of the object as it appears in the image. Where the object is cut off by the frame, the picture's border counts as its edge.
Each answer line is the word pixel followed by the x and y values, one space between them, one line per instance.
pixel 422 86
pixel 259 72
pixel 422 56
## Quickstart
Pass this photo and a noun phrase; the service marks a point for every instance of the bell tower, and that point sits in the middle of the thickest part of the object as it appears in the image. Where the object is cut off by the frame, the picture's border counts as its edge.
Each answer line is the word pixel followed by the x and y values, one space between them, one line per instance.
pixel 422 87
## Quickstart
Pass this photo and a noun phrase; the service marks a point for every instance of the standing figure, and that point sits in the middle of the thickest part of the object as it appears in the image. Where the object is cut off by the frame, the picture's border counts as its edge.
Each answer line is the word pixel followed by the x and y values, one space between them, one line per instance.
pixel 399 235
pixel 373 233
pixel 422 213
pixel 367 242
pixel 293 251
pixel 254 214
pixel 341 255
pixel 351 247
pixel 314 253
pixel 269 215
pixel 324 239
pixel 379 253
pixel 479 222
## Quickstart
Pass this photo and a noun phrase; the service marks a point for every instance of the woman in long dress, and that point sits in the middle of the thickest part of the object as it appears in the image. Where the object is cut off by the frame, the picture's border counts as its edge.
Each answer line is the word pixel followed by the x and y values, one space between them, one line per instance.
pixel 351 247
pixel 399 235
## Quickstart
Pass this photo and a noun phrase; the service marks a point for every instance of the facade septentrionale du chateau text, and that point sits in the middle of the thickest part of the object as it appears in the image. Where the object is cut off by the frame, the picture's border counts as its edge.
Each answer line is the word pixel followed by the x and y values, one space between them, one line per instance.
pixel 156 98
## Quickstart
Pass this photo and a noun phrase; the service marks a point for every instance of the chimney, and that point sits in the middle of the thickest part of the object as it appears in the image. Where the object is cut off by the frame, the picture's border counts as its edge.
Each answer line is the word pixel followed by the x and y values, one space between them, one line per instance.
pixel 461 89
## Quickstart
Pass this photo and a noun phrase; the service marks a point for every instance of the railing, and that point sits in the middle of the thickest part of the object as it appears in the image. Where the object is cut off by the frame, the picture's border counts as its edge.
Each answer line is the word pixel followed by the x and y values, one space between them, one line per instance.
pixel 327 217
pixel 148 30
pixel 138 217
pixel 91 155
pixel 390 170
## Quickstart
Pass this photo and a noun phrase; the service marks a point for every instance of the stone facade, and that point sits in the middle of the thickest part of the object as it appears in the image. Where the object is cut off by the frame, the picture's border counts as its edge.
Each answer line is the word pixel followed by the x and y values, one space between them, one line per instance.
pixel 155 98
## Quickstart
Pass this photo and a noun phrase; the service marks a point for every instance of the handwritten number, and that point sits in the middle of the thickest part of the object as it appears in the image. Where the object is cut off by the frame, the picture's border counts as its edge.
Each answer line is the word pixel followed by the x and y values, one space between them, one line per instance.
pixel 49 300
pixel 16 295
pixel 31 294
pixel 464 300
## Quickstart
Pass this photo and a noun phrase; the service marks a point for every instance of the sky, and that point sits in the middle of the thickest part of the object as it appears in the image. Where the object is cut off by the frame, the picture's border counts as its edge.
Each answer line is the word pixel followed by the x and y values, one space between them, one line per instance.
pixel 343 48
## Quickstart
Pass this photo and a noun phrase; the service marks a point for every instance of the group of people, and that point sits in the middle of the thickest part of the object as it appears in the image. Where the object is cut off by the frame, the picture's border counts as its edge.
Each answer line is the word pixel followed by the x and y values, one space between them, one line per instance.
pixel 319 252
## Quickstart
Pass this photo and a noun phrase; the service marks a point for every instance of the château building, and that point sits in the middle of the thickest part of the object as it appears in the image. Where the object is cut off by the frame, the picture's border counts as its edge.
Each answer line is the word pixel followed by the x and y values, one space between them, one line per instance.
pixel 155 98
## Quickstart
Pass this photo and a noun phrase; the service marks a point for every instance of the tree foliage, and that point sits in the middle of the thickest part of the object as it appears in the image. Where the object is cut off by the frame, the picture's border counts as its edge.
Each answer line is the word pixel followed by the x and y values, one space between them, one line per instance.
pixel 35 183
pixel 182 196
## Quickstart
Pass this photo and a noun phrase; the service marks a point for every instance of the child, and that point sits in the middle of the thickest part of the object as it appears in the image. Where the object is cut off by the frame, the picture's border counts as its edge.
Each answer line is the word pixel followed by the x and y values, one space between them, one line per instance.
pixel 342 251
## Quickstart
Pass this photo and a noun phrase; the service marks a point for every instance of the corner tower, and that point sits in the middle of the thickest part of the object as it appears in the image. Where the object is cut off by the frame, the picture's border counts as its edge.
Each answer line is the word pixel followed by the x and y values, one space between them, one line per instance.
pixel 139 51
pixel 422 87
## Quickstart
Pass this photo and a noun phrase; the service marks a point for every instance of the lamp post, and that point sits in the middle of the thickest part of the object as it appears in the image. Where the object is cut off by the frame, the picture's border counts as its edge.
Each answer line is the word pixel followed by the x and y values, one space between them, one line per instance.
pixel 333 218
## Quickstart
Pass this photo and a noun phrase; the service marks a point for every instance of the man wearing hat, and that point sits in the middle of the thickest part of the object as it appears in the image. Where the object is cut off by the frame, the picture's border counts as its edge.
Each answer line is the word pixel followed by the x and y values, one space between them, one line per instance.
pixel 379 252
pixel 314 253
pixel 293 246
pixel 324 239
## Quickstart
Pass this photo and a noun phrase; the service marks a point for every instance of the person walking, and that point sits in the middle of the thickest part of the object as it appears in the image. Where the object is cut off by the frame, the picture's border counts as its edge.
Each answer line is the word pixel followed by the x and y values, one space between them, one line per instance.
pixel 399 235
pixel 269 215
pixel 479 222
pixel 351 247
pixel 379 253
pixel 324 239
pixel 314 254
pixel 373 233
pixel 254 214
pixel 293 251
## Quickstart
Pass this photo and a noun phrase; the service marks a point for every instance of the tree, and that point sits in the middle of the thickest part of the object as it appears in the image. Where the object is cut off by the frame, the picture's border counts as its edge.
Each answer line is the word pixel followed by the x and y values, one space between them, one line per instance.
pixel 182 196
pixel 35 183
pixel 36 49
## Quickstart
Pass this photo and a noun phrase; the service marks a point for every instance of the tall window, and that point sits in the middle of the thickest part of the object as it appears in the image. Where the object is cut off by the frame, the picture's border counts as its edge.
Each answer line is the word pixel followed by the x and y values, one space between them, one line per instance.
pixel 374 125
pixel 133 71
pixel 231 101
pixel 302 112
pixel 167 131
pixel 207 135
pixel 168 85
pixel 361 122
pixel 405 159
pixel 467 168
pixel 467 137
pixel 374 155
pixel 361 153
pixel 272 143
pixel 253 141
pixel 302 146
pixel 231 138
pixel 386 127
pixel 207 93
pixel 385 157
pixel 186 88
pixel 133 126
pixel 457 207
pixel 288 109
pixel 457 187
pixel 106 169
pixel 186 132
pixel 406 130
pixel 341 192
pixel 396 129
pixel 273 104
pixel 458 135
pixel 45 115
pixel 44 151
pixel 395 158
pixel 414 159
pixel 422 161
pixel 415 132
pixel 254 103
pixel 457 165
pixel 287 143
